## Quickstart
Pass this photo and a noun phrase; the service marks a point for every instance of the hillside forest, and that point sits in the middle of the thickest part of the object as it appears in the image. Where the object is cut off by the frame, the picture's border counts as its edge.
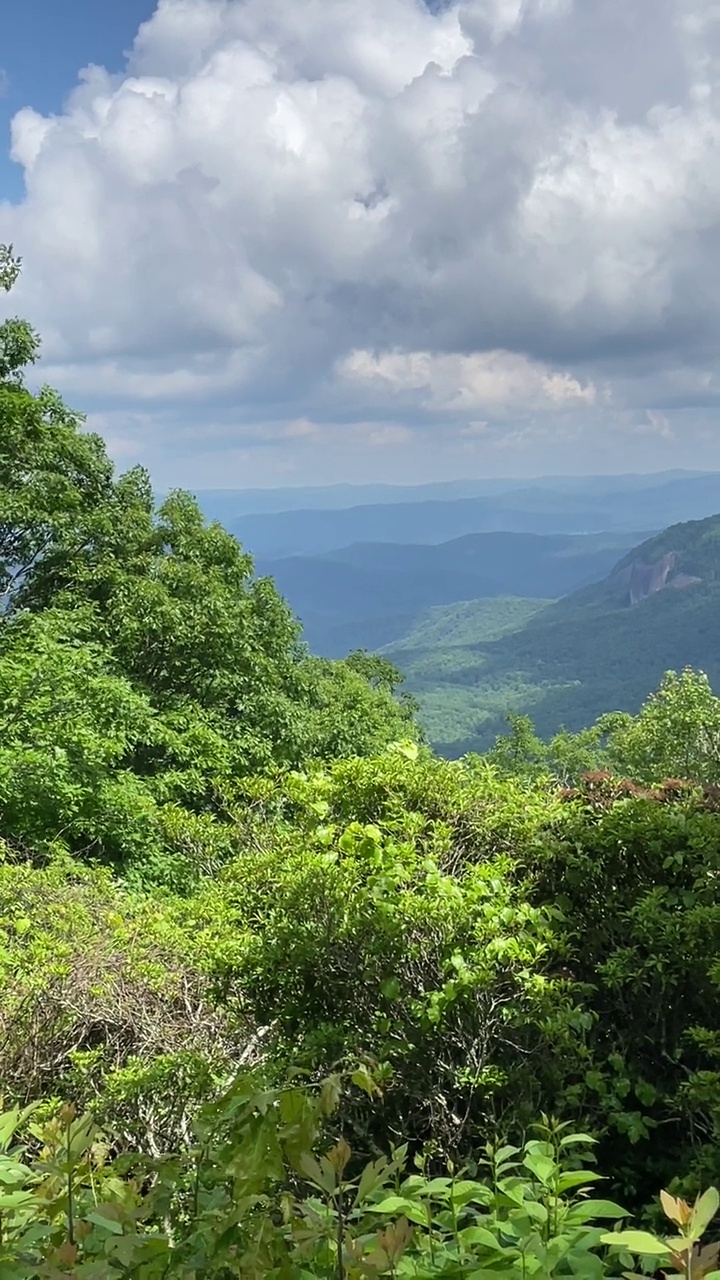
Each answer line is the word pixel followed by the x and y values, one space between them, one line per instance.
pixel 546 624
pixel 286 993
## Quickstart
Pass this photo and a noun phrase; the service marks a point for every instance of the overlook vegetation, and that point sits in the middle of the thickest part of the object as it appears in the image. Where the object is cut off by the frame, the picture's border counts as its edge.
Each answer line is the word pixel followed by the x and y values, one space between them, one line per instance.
pixel 284 993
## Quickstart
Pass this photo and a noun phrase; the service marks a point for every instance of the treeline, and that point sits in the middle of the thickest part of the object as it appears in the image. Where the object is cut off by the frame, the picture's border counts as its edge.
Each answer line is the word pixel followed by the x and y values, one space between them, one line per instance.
pixel 277 980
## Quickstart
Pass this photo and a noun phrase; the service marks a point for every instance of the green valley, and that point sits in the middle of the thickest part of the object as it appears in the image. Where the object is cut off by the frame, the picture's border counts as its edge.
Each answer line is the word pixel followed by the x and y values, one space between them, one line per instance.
pixel 602 648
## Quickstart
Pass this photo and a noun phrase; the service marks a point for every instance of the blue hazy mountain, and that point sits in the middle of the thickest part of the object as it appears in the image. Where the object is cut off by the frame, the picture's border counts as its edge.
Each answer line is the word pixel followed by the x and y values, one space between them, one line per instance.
pixel 580 506
pixel 232 504
pixel 367 595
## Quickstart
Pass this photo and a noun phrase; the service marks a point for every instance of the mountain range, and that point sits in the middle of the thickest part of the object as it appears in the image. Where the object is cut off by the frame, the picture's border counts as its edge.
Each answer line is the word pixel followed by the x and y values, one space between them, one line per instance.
pixel 371 594
pixel 231 504
pixel 560 505
pixel 603 647
pixel 543 597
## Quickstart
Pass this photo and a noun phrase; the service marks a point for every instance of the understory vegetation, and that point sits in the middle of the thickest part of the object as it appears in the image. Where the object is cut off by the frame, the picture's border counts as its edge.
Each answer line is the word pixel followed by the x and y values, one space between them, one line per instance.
pixel 284 993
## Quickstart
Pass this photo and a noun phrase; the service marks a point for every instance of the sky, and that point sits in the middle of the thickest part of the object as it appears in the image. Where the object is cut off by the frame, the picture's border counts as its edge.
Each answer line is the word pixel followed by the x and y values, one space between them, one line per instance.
pixel 278 243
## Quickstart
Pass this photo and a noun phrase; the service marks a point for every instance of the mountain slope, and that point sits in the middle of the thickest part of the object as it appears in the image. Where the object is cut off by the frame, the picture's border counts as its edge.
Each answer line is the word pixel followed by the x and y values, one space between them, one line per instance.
pixel 603 647
pixel 371 594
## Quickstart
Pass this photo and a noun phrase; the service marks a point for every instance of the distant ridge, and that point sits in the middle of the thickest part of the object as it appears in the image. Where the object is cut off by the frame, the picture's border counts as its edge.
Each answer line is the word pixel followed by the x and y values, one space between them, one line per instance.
pixel 580 505
pixel 232 504
pixel 604 647
pixel 369 594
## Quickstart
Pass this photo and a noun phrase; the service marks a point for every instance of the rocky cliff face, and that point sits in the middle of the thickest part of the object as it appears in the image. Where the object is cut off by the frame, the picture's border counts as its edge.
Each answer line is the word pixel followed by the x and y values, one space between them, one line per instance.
pixel 641 580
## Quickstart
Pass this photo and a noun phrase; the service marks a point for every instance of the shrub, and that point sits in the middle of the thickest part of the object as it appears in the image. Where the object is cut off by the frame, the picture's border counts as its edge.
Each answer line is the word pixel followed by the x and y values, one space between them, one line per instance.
pixel 104 998
pixel 260 1193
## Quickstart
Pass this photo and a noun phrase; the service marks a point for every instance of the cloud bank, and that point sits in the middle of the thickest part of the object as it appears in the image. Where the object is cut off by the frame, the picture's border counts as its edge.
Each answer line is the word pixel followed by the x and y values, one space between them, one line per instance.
pixel 356 238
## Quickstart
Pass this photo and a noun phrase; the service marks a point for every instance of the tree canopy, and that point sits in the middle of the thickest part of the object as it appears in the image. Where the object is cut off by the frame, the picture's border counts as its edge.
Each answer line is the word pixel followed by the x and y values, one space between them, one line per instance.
pixel 137 647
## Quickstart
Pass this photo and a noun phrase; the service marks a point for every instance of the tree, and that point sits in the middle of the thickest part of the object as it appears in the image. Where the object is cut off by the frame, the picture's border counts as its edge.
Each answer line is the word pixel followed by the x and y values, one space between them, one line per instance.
pixel 676 733
pixel 68 725
pixel 172 602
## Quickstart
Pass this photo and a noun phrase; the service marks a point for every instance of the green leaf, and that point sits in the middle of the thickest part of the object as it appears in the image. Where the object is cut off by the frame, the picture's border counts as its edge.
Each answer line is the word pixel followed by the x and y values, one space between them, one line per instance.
pixel 391 1204
pixel 363 1079
pixel 315 1173
pixel 370 1178
pixel 481 1235
pixel 16 1199
pixel 504 1154
pixel 8 1124
pixel 108 1224
pixel 704 1211
pixel 637 1242
pixel 542 1167
pixel 586 1210
pixel 577 1178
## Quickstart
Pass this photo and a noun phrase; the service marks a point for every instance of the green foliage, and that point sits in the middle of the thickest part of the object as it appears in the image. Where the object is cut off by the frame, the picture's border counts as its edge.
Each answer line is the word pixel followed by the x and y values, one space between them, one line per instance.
pixel 445 628
pixel 175 604
pixel 684 1252
pixel 361 942
pixel 635 875
pixel 105 998
pixel 142 665
pixel 216 850
pixel 250 1197
pixel 676 734
pixel 493 946
pixel 19 344
pixel 68 726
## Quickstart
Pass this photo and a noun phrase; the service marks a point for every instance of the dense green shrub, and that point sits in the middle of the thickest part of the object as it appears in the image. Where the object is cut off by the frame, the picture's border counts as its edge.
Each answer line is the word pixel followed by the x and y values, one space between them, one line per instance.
pixel 489 947
pixel 636 877
pixel 264 1191
pixel 105 999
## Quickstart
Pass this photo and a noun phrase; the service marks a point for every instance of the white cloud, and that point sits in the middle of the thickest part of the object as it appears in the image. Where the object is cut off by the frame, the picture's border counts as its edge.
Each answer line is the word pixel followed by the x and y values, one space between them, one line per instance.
pixel 498 381
pixel 497 209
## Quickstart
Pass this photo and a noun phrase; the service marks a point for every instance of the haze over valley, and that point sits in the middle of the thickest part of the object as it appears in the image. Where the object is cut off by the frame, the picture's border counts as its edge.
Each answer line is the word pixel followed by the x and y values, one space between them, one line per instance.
pixel 501 596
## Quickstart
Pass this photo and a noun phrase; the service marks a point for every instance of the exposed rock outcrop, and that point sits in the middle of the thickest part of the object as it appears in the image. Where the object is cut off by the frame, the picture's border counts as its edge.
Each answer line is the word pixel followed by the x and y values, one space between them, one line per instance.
pixel 643 580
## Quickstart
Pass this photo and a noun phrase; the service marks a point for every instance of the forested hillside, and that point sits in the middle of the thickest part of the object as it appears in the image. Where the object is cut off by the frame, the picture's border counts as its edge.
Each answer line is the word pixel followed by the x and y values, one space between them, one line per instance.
pixel 374 594
pixel 287 995
pixel 602 648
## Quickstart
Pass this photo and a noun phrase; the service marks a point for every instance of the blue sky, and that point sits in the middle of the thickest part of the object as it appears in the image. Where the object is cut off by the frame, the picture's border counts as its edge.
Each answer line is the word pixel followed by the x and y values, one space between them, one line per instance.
pixel 336 240
pixel 44 45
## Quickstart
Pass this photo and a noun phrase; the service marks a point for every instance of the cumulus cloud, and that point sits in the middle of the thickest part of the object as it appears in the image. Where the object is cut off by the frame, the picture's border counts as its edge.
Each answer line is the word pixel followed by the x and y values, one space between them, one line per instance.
pixel 501 212
pixel 499 380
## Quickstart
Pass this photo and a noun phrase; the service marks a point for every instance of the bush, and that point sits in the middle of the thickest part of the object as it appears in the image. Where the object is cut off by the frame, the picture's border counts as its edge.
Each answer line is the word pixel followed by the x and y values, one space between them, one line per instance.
pixel 636 877
pixel 261 1194
pixel 498 949
pixel 105 999
pixel 407 941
